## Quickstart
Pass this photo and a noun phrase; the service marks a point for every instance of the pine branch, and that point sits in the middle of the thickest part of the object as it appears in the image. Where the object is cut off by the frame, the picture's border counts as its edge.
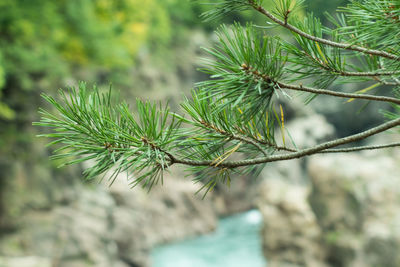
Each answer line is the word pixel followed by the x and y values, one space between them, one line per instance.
pixel 267 79
pixel 335 70
pixel 302 153
pixel 90 128
pixel 366 74
pixel 360 148
pixel 294 29
pixel 339 94
pixel 396 82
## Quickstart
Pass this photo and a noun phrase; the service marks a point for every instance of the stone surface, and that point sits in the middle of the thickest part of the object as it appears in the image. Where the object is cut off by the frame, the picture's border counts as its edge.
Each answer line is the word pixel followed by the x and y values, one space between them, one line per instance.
pixel 309 130
pixel 291 235
pixel 27 261
pixel 290 171
pixel 333 210
pixel 356 198
pixel 114 226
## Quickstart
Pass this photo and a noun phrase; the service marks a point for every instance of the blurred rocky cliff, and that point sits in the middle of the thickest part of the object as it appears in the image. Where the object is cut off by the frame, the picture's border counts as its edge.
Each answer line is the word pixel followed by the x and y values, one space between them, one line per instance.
pixel 117 226
pixel 334 209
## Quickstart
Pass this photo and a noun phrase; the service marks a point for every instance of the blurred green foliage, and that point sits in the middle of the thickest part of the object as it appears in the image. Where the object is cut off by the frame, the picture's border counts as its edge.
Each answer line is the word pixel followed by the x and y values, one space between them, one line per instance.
pixel 47 38
pixel 47 44
pixel 319 7
pixel 43 43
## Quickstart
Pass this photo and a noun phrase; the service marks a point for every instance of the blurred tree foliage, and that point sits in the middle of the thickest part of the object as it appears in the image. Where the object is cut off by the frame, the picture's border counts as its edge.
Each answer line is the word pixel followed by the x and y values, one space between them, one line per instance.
pixel 328 6
pixel 45 39
pixel 45 44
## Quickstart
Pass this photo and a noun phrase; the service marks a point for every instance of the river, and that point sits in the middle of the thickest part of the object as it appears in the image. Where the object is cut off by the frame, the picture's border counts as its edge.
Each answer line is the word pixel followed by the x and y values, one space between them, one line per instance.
pixel 235 243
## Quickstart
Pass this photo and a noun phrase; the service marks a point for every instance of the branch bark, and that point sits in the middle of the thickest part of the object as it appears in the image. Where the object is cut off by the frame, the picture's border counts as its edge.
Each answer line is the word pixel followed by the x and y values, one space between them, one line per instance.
pixel 368 74
pixel 360 148
pixel 339 94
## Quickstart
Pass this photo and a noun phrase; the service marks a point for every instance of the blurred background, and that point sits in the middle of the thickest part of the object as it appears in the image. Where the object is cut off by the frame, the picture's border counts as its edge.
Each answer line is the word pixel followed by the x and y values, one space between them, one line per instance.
pixel 336 210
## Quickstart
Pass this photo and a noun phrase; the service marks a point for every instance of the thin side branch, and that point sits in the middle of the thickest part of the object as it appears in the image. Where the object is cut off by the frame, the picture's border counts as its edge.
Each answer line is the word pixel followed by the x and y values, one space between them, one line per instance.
pixel 355 149
pixel 330 69
pixel 360 148
pixel 322 40
pixel 367 74
pixel 396 82
pixel 339 94
pixel 302 153
pixel 267 79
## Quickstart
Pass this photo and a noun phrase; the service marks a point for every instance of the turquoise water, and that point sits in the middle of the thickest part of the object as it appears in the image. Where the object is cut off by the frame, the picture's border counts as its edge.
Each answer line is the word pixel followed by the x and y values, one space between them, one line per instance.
pixel 235 243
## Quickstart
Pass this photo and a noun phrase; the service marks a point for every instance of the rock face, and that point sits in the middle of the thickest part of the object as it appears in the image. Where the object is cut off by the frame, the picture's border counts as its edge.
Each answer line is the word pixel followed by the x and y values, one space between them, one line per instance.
pixel 96 225
pixel 290 233
pixel 114 226
pixel 239 196
pixel 31 261
pixel 331 210
pixel 358 207
pixel 310 130
pixel 348 217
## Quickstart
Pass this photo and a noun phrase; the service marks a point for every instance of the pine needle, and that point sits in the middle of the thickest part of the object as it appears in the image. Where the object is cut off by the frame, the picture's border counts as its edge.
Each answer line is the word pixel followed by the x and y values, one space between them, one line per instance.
pixel 364 91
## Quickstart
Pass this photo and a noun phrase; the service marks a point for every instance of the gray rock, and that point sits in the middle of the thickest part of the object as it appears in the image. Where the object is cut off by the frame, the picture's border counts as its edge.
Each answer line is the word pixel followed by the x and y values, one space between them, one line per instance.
pixel 309 130
pixel 291 235
pixel 27 261
pixel 83 230
pixel 290 171
pixel 114 226
pixel 356 199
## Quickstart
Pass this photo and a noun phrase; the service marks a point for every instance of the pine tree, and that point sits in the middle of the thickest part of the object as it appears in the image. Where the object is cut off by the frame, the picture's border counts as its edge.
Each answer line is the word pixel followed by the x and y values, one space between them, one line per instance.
pixel 228 124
